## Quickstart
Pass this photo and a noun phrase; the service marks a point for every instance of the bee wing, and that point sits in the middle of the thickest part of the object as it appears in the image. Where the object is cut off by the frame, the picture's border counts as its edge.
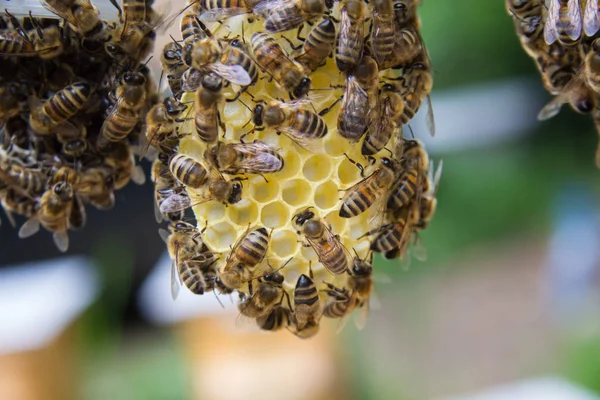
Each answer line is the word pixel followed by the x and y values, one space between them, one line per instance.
pixel 555 105
pixel 175 203
pixel 352 40
pixel 164 235
pixel 430 117
pixel 382 23
pixel 157 213
pixel 437 176
pixel 61 240
pixel 191 80
pixel 309 144
pixel 220 14
pixel 9 216
pixel 304 101
pixel 29 228
pixel 550 31
pixel 138 176
pixel 418 250
pixel 361 319
pixel 330 240
pixel 591 18
pixel 175 284
pixel 65 13
pixel 233 73
pixel 260 160
pixel 266 7
pixel 574 16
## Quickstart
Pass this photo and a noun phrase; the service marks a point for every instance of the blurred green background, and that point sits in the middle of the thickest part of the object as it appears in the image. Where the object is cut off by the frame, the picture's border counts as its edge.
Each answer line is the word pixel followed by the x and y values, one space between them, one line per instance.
pixel 477 313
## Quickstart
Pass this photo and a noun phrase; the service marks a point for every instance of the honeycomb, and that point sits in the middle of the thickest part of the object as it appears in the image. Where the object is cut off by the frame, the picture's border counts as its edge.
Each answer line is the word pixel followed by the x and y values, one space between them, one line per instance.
pixel 315 178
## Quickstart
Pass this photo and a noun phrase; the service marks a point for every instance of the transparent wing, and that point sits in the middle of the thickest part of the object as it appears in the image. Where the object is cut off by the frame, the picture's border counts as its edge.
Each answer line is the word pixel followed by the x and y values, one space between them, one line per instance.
pixel 383 24
pixel 574 26
pixel 220 14
pixel 430 117
pixel 266 7
pixel 164 235
pixel 233 73
pixel 356 102
pixel 191 80
pixel 565 96
pixel 361 319
pixel 61 240
pixel 550 31
pixel 175 283
pixel 351 34
pixel 175 203
pixel 591 17
pixel 312 145
pixel 260 159
pixel 418 249
pixel 325 246
pixel 30 227
pixel 63 12
pixel 437 177
pixel 157 214
pixel 138 176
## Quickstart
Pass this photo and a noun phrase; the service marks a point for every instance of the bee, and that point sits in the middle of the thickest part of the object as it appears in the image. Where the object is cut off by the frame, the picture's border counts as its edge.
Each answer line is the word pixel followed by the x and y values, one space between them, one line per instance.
pixel 307 308
pixel 237 53
pixel 383 34
pixel 393 238
pixel 119 159
pixel 54 208
pixel 63 173
pixel 591 67
pixel 205 55
pixel 279 317
pixel 160 129
pixel 133 38
pixel 81 15
pixel 11 96
pixel 191 28
pixel 249 251
pixel 283 15
pixel 405 12
pixel 190 172
pixel 166 189
pixel 130 99
pixel 217 10
pixel 96 186
pixel 318 45
pixel 388 124
pixel 359 105
pixel 31 180
pixel 351 37
pixel 13 202
pixel 190 258
pixel 299 124
pixel 264 298
pixel 563 22
pixel 288 74
pixel 577 92
pixel 16 132
pixel 207 118
pixel 340 304
pixel 253 158
pixel 408 45
pixel 591 18
pixel 61 106
pixel 529 22
pixel 428 202
pixel 371 189
pixel 415 164
pixel 173 66
pixel 45 43
pixel 329 249
pixel 73 139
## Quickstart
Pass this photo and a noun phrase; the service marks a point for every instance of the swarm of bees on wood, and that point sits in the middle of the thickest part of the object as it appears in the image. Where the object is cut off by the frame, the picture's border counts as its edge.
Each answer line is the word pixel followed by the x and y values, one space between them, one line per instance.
pixel 563 38
pixel 285 130
pixel 74 95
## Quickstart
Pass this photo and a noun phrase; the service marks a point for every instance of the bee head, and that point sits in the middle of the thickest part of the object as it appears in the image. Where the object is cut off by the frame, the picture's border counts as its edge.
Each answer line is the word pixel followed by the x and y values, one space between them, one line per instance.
pixel 302 88
pixel 361 267
pixel 257 115
pixel 236 193
pixel 134 78
pixel 274 277
pixel 301 218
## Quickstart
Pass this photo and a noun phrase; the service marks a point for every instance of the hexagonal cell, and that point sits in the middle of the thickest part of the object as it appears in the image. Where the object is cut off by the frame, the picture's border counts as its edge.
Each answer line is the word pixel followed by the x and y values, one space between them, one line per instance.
pixel 243 212
pixel 271 137
pixel 308 253
pixel 362 247
pixel 213 210
pixel 275 215
pixel 236 114
pixel 336 147
pixel 327 195
pixel 291 164
pixel 348 173
pixel 357 230
pixel 317 167
pixel 220 236
pixel 337 223
pixel 263 191
pixel 296 192
pixel 284 243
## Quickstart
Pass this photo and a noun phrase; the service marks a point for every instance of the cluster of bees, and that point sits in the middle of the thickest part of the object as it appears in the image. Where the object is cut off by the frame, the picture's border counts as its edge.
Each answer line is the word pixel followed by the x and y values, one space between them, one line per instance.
pixel 73 99
pixel 245 81
pixel 562 36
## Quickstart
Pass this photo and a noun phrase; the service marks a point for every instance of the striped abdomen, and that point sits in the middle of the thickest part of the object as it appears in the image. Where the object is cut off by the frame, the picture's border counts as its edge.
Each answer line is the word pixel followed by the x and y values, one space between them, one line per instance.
pixel 332 255
pixel 351 38
pixel 191 273
pixel 307 123
pixel 407 46
pixel 31 180
pixel 206 121
pixel 134 10
pixel 284 18
pixel 405 189
pixel 277 318
pixel 389 238
pixel 67 102
pixel 235 56
pixel 360 198
pixel 13 43
pixel 190 28
pixel 352 121
pixel 216 4
pixel 307 307
pixel 253 248
pixel 318 45
pixel 188 171
pixel 383 38
pixel 268 53
pixel 337 309
pixel 119 124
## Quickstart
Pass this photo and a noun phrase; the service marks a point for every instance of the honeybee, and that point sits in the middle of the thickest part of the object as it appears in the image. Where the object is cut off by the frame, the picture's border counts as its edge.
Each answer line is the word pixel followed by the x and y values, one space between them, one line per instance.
pixel 529 22
pixel 383 34
pixel 61 106
pixel 81 15
pixel 393 238
pixel 96 185
pixel 405 12
pixel 351 37
pixel 31 180
pixel 387 124
pixel 253 158
pixel 408 45
pixel 307 308
pixel 283 15
pixel 268 293
pixel 191 28
pixel 300 124
pixel 217 10
pixel 194 174
pixel 359 106
pixel 45 43
pixel 15 132
pixel 173 66
pixel 160 129
pixel 279 317
pixel 190 258
pixel 563 22
pixel 415 164
pixel 166 189
pixel 576 92
pixel 591 17
pixel 119 159
pixel 428 202
pixel 130 99
pixel 205 55
pixel 591 66
pixel 371 189
pixel 237 53
pixel 318 45
pixel 14 202
pixel 249 251
pixel 208 99
pixel 54 208
pixel 289 75
pixel 329 249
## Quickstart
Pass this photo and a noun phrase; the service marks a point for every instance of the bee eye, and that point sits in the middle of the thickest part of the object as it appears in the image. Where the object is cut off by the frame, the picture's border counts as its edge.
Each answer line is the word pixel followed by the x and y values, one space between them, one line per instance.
pixel 235 42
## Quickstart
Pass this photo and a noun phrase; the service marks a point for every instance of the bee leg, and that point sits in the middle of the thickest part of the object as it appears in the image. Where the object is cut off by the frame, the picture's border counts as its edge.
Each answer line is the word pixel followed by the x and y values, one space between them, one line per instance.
pixel 15 22
pixel 264 177
pixel 310 271
pixel 357 165
pixel 294 47
pixel 326 110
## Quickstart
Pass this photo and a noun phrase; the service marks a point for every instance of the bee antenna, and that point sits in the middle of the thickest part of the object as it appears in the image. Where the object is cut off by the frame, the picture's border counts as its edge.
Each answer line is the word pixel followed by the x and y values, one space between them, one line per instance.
pixel 245 105
pixel 411 132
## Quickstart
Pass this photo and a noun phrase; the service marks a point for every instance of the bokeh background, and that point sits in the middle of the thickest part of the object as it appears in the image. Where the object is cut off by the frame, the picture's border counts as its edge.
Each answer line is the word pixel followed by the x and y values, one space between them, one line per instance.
pixel 509 291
